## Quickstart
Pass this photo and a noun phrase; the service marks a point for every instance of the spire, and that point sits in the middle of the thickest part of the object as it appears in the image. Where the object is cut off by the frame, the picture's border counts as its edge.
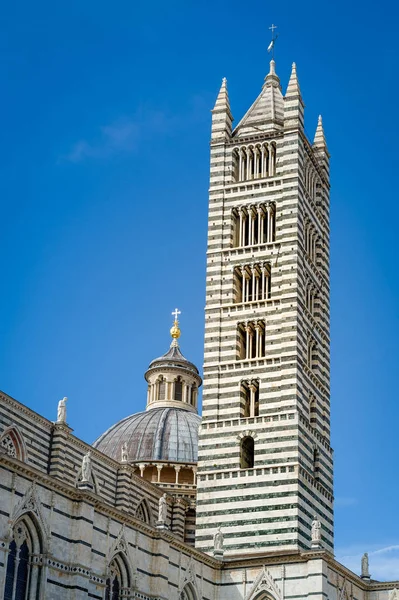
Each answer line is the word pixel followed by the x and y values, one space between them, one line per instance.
pixel 319 138
pixel 293 84
pixel 293 103
pixel 222 101
pixel 267 112
pixel 222 118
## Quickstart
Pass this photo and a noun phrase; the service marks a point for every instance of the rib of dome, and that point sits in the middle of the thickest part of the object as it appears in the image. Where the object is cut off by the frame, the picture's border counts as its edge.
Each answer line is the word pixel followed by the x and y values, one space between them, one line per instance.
pixel 169 434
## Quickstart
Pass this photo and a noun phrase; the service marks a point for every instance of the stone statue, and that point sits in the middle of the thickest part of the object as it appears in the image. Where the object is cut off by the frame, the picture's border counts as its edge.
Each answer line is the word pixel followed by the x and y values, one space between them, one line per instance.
pixel 365 565
pixel 124 452
pixel 162 509
pixel 61 412
pixel 218 539
pixel 316 531
pixel 86 467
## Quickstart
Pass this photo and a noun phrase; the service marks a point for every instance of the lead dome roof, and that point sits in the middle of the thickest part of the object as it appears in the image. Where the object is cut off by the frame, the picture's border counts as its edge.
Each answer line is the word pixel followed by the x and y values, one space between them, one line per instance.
pixel 167 434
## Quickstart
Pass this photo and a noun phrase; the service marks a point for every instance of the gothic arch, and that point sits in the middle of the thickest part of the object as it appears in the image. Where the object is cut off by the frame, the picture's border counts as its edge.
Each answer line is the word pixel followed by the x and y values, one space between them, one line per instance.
pixel 118 581
pixel 144 512
pixel 188 593
pixel 12 441
pixel 29 507
pixel 24 559
pixel 120 575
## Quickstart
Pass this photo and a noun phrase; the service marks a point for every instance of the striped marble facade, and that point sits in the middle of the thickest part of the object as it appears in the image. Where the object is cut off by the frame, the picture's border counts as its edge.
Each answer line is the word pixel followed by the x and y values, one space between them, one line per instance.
pixel 271 504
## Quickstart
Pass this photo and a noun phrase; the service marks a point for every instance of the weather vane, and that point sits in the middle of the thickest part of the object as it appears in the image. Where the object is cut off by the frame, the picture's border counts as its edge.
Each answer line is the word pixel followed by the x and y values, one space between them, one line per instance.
pixel 270 47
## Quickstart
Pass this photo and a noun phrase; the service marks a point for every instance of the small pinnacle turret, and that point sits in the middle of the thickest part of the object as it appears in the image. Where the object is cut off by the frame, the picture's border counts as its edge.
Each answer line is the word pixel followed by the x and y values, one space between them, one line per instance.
pixel 319 138
pixel 293 84
pixel 222 118
pixel 222 101
pixel 293 103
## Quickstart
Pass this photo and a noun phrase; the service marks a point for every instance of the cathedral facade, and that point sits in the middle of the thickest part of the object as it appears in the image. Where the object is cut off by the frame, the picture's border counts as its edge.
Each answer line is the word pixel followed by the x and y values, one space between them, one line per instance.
pixel 237 505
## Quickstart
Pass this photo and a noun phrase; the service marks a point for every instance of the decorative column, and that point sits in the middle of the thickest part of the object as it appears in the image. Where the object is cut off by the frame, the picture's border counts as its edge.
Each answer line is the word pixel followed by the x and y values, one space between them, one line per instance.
pixel 142 467
pixel 252 390
pixel 240 165
pixel 257 294
pixel 243 285
pixel 248 339
pixel 177 469
pixel 159 469
pixel 194 468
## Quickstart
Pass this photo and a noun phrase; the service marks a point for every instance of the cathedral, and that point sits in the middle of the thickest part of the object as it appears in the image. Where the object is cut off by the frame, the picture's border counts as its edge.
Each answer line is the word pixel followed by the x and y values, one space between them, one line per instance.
pixel 238 504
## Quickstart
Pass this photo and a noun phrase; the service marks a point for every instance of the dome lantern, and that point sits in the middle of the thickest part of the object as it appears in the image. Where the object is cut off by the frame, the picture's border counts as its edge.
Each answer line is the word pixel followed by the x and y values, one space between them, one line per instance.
pixel 173 381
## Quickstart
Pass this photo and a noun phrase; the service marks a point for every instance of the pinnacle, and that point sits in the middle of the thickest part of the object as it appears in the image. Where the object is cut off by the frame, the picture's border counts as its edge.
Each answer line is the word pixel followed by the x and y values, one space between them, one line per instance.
pixel 319 138
pixel 222 101
pixel 293 84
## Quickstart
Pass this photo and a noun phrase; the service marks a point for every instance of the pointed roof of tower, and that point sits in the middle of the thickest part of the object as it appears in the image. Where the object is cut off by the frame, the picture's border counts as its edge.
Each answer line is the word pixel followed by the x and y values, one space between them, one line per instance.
pixel 319 138
pixel 293 88
pixel 222 103
pixel 267 112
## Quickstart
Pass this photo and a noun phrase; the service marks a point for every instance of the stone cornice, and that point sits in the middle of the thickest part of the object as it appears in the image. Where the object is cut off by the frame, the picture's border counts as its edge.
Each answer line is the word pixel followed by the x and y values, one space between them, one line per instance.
pixel 26 411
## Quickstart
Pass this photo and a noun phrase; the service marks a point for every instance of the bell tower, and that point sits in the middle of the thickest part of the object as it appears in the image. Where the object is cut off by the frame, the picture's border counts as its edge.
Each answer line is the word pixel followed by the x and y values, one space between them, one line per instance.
pixel 265 462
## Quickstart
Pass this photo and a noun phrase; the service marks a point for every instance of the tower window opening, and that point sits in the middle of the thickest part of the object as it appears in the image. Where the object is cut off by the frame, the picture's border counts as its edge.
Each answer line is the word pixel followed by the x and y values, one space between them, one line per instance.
pixel 247 453
pixel 254 225
pixel 312 354
pixel 312 410
pixel 254 162
pixel 311 240
pixel 251 340
pixel 252 283
pixel 249 398
pixel 311 296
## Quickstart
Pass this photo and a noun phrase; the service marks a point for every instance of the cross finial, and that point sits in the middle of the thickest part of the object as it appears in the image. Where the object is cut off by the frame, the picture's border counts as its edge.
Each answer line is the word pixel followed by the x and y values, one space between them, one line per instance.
pixel 270 47
pixel 176 313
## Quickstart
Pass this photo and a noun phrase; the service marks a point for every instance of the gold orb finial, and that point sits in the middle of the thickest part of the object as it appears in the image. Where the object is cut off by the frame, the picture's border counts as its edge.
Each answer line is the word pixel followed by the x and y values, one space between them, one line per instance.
pixel 175 329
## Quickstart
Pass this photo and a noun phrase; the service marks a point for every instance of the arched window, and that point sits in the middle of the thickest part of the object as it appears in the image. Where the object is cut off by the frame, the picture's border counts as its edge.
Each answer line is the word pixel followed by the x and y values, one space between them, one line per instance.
pixel 188 593
pixel 22 574
pixel 247 455
pixel 12 442
pixel 161 389
pixel 178 389
pixel 249 398
pixel 143 512
pixel 118 581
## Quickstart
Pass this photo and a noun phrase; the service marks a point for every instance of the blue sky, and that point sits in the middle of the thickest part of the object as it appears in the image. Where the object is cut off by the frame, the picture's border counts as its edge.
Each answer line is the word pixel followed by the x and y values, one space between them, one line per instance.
pixel 103 180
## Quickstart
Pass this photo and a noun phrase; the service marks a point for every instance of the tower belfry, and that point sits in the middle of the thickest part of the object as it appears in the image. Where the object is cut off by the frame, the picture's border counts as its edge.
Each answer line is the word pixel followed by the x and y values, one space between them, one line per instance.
pixel 265 462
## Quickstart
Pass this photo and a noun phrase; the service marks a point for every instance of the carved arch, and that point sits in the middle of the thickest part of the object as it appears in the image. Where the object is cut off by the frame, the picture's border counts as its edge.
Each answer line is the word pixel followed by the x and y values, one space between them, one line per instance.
pixel 188 593
pixel 30 506
pixel 12 441
pixel 119 558
pixel 188 589
pixel 244 434
pixel 264 587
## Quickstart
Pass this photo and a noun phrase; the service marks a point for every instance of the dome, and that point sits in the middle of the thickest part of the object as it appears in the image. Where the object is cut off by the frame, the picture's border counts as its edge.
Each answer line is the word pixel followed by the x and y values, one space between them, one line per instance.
pixel 160 434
